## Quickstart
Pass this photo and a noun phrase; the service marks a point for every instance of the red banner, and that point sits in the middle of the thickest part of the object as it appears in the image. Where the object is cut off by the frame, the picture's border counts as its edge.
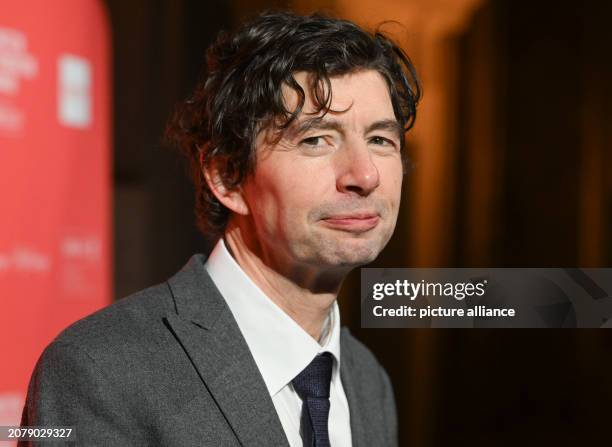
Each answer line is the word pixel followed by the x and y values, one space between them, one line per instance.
pixel 55 181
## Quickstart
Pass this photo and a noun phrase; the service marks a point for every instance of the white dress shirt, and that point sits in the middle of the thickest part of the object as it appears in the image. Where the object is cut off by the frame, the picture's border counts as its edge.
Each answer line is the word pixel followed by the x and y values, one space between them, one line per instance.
pixel 280 347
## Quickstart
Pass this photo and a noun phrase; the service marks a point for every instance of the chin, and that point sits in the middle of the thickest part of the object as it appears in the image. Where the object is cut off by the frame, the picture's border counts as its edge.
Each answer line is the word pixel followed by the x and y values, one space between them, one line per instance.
pixel 343 250
pixel 355 256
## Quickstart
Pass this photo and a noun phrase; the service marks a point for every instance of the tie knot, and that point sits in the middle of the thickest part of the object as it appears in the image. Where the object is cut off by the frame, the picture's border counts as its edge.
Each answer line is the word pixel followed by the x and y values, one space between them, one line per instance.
pixel 314 380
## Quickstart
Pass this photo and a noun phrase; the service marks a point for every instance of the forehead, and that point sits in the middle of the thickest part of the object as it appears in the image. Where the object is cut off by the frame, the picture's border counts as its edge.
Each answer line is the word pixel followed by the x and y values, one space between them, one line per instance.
pixel 364 92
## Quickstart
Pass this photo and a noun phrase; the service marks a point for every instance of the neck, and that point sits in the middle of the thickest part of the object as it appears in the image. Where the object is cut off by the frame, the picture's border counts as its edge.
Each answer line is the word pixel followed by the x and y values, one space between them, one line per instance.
pixel 305 293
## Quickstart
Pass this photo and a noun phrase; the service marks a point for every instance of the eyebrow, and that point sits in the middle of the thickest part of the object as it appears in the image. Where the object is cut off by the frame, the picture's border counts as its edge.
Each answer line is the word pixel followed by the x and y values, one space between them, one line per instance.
pixel 388 125
pixel 317 123
pixel 322 123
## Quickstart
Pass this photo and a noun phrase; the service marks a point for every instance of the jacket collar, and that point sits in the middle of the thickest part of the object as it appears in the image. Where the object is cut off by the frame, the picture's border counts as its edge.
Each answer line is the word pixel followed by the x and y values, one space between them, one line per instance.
pixel 205 327
pixel 211 338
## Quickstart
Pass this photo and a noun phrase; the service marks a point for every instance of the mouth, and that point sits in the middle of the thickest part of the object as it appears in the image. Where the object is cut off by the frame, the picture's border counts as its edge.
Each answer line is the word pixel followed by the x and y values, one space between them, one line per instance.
pixel 357 222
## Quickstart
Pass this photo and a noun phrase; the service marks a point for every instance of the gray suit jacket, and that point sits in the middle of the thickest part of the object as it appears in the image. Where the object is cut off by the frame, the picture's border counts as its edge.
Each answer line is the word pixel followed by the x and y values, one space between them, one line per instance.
pixel 169 366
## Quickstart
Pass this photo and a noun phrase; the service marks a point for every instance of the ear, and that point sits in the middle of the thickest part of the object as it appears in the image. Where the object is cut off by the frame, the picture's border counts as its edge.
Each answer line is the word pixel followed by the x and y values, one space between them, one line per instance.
pixel 233 199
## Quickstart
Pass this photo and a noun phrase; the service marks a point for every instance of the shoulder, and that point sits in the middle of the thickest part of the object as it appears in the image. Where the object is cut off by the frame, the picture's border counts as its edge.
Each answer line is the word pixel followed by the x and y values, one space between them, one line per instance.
pixel 121 342
pixel 97 364
pixel 130 338
pixel 128 321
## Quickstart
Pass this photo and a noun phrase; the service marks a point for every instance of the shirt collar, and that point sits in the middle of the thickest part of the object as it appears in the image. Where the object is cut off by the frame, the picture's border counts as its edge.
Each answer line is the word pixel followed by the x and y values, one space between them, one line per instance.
pixel 280 347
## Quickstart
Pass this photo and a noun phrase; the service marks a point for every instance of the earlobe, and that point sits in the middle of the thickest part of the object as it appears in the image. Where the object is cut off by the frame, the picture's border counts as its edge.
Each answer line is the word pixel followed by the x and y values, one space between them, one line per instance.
pixel 231 198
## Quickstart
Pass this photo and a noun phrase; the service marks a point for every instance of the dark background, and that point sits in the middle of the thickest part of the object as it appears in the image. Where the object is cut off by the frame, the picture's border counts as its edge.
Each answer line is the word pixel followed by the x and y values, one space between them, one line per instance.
pixel 510 148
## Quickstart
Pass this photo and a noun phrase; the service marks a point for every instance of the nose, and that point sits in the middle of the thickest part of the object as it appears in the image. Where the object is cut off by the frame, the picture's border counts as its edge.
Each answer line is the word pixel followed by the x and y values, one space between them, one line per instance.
pixel 357 172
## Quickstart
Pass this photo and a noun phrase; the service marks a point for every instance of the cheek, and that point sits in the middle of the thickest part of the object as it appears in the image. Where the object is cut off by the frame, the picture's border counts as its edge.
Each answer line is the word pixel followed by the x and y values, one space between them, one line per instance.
pixel 299 182
pixel 391 174
pixel 281 198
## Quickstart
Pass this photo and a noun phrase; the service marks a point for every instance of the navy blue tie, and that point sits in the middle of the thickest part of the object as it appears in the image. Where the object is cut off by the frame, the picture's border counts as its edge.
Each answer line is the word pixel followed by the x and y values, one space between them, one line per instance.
pixel 312 385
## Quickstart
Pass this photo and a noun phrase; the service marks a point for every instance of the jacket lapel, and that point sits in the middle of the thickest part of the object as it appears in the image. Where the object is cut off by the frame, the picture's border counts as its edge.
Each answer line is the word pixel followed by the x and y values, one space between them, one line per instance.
pixel 211 338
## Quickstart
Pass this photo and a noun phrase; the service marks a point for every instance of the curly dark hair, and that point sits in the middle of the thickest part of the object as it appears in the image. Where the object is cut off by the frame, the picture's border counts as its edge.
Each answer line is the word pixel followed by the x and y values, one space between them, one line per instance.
pixel 241 92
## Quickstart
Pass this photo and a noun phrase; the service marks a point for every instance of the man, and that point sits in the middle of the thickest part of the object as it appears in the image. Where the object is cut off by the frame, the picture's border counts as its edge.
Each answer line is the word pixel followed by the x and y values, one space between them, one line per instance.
pixel 295 138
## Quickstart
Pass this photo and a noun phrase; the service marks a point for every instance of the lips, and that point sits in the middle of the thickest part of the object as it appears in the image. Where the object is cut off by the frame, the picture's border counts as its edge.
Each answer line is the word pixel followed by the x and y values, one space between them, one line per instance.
pixel 354 222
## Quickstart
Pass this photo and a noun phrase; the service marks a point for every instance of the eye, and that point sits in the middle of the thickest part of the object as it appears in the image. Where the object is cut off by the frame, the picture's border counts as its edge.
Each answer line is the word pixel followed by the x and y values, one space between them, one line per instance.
pixel 382 141
pixel 318 145
pixel 312 141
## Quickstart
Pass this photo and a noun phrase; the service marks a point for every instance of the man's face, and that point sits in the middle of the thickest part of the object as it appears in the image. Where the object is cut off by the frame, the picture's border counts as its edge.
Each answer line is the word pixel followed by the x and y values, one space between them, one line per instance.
pixel 327 193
